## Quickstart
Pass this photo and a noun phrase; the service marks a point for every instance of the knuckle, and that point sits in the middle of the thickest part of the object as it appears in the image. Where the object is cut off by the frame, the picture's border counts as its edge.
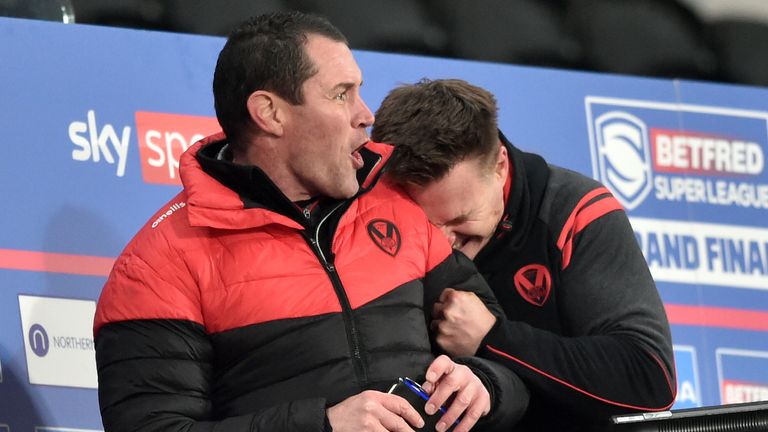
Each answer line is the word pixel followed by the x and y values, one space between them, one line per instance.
pixel 402 408
pixel 463 399
pixel 369 406
pixel 473 414
pixel 368 423
pixel 452 384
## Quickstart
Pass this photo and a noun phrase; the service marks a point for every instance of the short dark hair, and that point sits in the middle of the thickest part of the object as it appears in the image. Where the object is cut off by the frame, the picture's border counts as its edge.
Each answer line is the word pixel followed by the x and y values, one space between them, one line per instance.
pixel 265 52
pixel 435 125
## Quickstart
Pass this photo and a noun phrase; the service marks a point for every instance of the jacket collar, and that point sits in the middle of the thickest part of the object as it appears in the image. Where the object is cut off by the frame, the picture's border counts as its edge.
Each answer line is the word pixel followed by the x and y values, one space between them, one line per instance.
pixel 221 194
pixel 530 174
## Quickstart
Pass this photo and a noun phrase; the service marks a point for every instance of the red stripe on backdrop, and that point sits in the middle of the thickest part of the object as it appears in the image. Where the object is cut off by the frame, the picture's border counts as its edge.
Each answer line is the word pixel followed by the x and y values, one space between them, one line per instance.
pixel 702 316
pixel 706 316
pixel 55 262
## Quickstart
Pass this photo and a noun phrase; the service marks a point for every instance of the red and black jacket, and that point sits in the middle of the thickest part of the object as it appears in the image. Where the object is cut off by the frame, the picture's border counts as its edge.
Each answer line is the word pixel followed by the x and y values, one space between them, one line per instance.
pixel 234 310
pixel 587 331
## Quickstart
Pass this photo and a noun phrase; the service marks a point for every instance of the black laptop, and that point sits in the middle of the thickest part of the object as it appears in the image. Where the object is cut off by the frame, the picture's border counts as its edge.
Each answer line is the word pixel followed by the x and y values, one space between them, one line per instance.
pixel 742 417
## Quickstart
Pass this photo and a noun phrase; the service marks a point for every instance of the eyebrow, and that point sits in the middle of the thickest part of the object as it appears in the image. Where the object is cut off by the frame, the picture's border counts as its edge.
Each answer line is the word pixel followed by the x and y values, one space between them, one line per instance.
pixel 343 86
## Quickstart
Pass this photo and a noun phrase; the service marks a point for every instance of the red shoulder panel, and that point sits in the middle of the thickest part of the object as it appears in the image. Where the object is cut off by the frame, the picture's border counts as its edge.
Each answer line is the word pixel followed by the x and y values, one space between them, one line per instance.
pixel 593 205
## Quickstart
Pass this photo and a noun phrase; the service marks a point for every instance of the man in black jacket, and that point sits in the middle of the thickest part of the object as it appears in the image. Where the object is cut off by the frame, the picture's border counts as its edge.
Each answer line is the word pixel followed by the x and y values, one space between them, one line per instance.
pixel 586 329
pixel 287 287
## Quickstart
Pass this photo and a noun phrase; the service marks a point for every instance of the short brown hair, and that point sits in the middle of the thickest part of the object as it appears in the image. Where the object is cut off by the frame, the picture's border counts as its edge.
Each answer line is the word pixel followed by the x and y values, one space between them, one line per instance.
pixel 266 52
pixel 436 124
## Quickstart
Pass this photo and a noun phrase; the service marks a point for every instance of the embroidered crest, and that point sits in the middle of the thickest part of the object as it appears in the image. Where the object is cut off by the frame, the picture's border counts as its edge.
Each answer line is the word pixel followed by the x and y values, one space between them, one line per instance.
pixel 385 235
pixel 534 283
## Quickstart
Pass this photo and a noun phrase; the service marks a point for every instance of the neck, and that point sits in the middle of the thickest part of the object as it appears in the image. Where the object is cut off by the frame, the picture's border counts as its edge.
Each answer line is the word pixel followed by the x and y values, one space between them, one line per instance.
pixel 271 161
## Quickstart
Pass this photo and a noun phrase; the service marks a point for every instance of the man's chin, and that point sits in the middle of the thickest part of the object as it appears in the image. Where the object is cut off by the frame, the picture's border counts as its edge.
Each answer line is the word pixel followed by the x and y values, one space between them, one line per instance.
pixel 345 193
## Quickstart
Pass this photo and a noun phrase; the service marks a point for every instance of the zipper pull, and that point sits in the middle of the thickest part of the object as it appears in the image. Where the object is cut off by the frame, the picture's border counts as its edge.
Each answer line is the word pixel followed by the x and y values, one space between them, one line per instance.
pixel 307 213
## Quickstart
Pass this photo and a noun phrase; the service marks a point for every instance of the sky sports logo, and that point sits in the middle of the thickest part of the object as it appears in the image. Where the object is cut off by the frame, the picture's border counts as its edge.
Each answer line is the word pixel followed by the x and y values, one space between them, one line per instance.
pixel 161 137
pixel 678 153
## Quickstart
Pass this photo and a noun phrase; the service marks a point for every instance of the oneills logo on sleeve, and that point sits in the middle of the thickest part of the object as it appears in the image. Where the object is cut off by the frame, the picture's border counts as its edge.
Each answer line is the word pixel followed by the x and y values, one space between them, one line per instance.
pixel 172 209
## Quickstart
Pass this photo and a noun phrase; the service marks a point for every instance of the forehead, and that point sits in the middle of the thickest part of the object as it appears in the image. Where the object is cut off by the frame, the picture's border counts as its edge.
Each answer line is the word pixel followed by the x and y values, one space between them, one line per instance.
pixel 459 193
pixel 333 61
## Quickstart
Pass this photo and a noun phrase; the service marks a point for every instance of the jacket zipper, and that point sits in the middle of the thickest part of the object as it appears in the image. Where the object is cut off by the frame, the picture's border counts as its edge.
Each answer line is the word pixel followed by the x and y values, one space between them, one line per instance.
pixel 353 337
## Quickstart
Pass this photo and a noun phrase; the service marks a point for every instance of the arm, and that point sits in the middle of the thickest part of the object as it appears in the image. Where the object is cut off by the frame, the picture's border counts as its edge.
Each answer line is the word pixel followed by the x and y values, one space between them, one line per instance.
pixel 160 368
pixel 460 274
pixel 508 395
pixel 617 355
pixel 156 362
pixel 467 380
pixel 156 375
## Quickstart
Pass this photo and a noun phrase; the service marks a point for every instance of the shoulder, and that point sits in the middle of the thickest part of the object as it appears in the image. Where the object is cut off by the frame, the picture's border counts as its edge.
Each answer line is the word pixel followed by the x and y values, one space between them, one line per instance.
pixel 387 196
pixel 164 231
pixel 153 276
pixel 569 193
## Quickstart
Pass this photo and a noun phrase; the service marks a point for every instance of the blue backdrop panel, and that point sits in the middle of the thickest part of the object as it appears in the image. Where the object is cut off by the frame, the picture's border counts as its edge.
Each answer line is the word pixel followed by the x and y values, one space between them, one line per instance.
pixel 94 120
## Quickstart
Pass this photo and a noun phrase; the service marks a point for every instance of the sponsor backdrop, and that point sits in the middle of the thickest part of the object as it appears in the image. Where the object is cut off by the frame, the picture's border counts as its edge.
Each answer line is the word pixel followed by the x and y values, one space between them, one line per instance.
pixel 94 120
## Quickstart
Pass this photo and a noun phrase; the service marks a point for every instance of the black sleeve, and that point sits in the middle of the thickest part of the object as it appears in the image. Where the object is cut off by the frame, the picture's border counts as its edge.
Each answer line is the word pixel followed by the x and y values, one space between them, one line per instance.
pixel 618 355
pixel 458 272
pixel 509 397
pixel 155 375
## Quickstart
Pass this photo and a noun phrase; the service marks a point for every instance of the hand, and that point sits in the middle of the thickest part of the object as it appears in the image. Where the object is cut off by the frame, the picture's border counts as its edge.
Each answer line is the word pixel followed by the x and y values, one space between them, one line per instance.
pixel 460 321
pixel 374 411
pixel 444 378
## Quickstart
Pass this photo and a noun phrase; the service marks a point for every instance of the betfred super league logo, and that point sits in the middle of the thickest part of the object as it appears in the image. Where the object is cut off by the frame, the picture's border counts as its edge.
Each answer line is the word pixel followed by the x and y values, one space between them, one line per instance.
pixel 673 153
pixel 623 157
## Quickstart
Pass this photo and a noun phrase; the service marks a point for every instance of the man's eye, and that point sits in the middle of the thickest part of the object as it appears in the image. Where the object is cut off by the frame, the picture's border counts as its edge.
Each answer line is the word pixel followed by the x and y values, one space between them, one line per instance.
pixel 341 96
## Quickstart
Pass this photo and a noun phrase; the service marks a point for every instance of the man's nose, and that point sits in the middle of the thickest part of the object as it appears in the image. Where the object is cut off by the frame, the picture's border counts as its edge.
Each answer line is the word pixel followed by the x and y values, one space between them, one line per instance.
pixel 364 117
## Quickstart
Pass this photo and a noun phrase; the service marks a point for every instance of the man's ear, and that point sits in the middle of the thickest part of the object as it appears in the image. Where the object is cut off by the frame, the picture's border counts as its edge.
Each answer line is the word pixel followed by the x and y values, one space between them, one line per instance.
pixel 265 110
pixel 501 166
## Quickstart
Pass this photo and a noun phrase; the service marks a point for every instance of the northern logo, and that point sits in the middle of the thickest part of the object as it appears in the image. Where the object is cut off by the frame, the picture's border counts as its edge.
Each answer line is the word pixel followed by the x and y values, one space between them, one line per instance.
pixel 534 283
pixel 38 340
pixel 58 341
pixel 385 235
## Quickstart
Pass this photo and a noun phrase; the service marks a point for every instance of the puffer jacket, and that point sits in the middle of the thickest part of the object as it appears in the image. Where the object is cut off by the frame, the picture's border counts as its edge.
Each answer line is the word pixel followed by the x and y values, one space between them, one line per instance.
pixel 233 309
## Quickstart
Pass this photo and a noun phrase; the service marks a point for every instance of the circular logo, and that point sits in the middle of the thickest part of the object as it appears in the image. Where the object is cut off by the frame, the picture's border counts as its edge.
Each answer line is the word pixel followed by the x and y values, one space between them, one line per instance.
pixel 38 340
